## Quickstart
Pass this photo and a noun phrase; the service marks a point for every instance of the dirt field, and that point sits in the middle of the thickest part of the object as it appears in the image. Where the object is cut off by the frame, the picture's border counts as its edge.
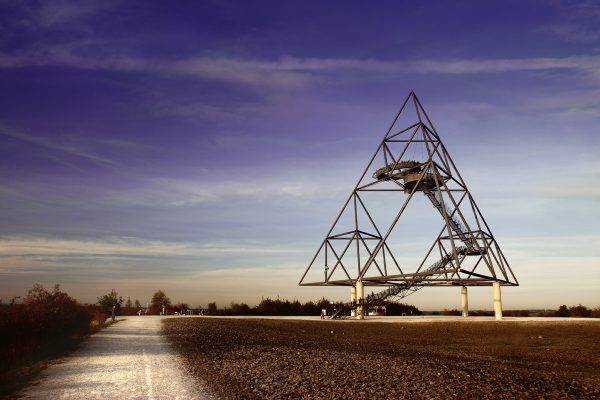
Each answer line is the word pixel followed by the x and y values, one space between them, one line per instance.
pixel 337 360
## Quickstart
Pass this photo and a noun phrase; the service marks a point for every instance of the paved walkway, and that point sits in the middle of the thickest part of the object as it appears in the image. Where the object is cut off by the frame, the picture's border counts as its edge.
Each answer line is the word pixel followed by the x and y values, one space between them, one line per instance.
pixel 128 360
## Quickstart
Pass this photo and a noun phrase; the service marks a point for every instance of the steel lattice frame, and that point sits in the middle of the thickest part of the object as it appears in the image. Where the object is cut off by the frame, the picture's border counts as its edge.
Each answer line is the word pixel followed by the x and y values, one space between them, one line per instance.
pixel 464 235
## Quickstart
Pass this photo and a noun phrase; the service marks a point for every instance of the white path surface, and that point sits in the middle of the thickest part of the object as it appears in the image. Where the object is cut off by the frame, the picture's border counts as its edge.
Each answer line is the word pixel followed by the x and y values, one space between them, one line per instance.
pixel 128 360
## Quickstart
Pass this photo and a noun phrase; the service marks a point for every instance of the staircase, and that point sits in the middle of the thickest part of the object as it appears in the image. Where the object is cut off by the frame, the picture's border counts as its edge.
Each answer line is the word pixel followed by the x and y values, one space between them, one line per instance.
pixel 455 224
pixel 404 289
pixel 400 290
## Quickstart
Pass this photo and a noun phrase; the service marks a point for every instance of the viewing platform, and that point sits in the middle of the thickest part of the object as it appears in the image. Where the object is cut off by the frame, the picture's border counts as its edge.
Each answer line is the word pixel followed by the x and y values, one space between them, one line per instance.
pixel 411 173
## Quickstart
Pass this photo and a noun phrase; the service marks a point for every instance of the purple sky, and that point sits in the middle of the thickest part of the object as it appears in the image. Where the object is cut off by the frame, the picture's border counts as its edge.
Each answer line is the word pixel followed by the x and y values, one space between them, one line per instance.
pixel 205 149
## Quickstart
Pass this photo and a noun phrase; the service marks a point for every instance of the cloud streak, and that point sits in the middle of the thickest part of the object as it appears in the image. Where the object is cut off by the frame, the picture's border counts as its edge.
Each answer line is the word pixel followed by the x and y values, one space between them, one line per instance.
pixel 180 192
pixel 55 145
pixel 35 246
pixel 291 71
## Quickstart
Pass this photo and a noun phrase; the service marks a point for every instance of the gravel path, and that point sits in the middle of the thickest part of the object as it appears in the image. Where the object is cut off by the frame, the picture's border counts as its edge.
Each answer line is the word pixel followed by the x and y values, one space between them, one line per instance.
pixel 128 360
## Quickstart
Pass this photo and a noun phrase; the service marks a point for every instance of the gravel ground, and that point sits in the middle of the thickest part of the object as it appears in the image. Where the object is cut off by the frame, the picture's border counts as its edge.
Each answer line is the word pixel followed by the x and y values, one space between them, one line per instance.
pixel 275 359
pixel 128 360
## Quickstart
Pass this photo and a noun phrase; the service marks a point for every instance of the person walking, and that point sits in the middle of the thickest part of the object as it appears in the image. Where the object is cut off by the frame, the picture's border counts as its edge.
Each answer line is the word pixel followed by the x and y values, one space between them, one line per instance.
pixel 118 307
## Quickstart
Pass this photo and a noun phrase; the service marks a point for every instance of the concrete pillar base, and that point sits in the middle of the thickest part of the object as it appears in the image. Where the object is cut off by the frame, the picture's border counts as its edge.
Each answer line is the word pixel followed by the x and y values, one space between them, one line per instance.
pixel 464 301
pixel 360 295
pixel 497 301
pixel 353 300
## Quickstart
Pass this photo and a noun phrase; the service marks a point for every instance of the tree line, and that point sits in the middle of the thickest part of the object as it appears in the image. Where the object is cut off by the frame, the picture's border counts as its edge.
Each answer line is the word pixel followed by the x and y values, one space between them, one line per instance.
pixel 273 307
pixel 161 303
pixel 578 311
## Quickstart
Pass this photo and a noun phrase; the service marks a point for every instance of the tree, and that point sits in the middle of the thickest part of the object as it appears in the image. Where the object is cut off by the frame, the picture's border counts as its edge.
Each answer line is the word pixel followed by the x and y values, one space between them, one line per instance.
pixel 402 309
pixel 310 308
pixel 579 311
pixel 212 308
pixel 454 311
pixel 108 301
pixel 137 304
pixel 128 303
pixel 181 307
pixel 524 313
pixel 563 311
pixel 240 309
pixel 159 300
pixel 296 308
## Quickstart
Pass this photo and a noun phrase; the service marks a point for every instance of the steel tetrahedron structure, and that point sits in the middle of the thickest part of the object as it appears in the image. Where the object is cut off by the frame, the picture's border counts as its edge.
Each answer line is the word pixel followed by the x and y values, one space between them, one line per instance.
pixel 412 174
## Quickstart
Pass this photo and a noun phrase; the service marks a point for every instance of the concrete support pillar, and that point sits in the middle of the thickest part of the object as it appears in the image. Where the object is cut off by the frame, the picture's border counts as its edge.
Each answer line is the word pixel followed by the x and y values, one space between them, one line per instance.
pixel 353 300
pixel 497 301
pixel 464 301
pixel 360 295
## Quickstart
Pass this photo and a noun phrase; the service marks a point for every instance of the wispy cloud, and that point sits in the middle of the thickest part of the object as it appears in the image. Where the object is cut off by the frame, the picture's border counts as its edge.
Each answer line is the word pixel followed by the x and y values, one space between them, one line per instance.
pixel 534 247
pixel 291 71
pixel 175 192
pixel 584 8
pixel 56 145
pixel 60 12
pixel 49 15
pixel 119 247
pixel 70 149
pixel 197 110
pixel 579 22
pixel 574 32
pixel 572 103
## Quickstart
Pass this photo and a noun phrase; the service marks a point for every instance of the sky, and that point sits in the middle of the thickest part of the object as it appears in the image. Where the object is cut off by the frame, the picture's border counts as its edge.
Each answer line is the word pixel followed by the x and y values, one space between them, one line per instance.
pixel 204 148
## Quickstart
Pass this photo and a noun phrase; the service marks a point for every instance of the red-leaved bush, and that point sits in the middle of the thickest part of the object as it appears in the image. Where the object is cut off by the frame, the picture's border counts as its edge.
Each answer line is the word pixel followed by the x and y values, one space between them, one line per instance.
pixel 47 322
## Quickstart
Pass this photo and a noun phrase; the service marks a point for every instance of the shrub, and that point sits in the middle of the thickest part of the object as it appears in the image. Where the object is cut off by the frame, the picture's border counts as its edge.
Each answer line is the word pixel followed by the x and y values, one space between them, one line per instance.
pixel 579 311
pixel 401 309
pixel 240 309
pixel 562 311
pixel 454 312
pixel 43 325
pixel 212 308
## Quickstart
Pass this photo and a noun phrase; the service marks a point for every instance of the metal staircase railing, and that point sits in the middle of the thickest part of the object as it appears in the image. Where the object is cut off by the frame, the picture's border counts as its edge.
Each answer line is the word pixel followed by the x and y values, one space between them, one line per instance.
pixel 400 291
pixel 452 220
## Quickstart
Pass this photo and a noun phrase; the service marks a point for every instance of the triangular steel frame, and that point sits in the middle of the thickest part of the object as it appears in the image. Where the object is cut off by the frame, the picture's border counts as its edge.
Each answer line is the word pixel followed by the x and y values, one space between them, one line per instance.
pixel 464 235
